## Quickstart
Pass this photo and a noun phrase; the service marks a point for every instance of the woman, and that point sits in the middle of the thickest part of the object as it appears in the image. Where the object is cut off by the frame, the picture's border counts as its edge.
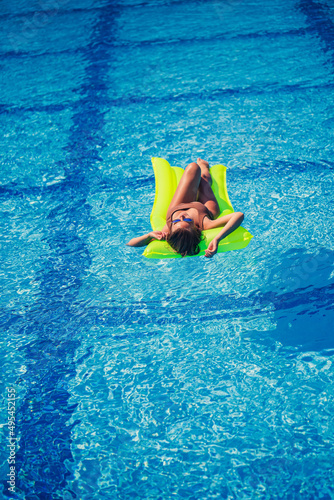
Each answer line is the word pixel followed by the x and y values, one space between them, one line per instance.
pixel 193 208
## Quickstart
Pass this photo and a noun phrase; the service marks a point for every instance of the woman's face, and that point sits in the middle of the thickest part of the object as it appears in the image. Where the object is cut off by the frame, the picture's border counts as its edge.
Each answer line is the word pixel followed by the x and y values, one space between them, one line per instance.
pixel 182 220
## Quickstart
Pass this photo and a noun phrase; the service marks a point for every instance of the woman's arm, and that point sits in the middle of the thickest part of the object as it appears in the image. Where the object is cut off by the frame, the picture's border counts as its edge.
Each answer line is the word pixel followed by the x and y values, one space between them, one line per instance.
pixel 142 241
pixel 220 222
pixel 230 223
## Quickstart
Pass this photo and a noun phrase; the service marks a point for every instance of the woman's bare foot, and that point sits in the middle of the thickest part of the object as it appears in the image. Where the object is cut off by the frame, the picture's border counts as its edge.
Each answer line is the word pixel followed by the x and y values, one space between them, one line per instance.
pixel 203 163
pixel 205 170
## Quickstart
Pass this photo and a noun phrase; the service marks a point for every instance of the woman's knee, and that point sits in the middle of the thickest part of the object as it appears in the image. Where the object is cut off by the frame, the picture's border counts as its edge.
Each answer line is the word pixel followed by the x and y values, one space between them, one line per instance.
pixel 193 169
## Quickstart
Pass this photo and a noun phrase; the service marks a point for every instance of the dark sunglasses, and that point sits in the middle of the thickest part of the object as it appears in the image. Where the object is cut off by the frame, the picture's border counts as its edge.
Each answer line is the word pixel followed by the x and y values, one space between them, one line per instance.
pixel 179 220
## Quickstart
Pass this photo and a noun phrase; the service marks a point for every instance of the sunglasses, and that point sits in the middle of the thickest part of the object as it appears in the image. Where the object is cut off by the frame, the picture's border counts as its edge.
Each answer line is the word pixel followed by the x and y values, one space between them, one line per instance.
pixel 179 220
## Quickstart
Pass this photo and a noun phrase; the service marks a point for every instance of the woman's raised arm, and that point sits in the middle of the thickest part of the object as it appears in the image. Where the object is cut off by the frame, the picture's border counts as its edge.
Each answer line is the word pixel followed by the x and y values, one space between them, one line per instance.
pixel 229 222
pixel 142 241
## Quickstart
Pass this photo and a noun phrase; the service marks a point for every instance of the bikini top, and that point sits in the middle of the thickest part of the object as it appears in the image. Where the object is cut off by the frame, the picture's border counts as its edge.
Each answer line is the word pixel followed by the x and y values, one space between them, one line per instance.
pixel 201 210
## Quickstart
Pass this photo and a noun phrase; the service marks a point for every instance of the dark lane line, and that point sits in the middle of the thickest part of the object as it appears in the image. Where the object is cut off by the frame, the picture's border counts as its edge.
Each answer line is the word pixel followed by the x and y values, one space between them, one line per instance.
pixel 212 95
pixel 319 24
pixel 54 320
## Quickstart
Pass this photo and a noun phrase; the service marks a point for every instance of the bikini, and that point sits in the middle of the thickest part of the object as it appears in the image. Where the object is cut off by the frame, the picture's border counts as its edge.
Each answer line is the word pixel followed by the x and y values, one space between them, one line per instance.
pixel 201 210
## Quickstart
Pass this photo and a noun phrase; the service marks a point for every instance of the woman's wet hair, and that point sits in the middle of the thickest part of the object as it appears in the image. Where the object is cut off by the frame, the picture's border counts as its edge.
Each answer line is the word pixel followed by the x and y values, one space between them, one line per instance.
pixel 185 241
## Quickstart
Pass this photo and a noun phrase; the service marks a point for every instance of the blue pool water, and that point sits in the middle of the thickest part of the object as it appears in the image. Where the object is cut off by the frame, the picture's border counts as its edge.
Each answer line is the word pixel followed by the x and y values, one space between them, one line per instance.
pixel 186 378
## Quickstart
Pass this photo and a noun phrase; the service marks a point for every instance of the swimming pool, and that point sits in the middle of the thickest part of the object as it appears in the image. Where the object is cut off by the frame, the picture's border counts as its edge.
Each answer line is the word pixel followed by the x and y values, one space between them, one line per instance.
pixel 189 378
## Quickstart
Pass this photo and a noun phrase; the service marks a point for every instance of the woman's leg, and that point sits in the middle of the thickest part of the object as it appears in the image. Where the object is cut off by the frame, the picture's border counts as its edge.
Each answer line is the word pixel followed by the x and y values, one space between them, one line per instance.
pixel 186 191
pixel 205 193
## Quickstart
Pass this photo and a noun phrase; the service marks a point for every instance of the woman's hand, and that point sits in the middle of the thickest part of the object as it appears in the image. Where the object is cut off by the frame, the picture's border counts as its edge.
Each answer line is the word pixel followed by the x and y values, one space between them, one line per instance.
pixel 212 248
pixel 158 235
pixel 144 240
